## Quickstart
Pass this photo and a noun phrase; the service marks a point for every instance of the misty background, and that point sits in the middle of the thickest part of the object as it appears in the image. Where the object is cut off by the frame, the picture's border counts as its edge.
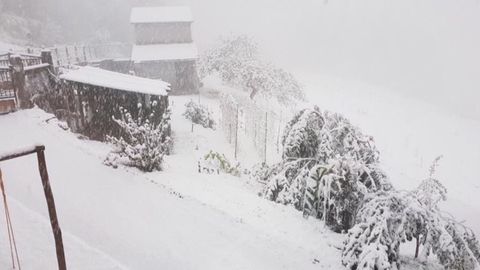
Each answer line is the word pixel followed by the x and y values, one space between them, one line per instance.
pixel 426 49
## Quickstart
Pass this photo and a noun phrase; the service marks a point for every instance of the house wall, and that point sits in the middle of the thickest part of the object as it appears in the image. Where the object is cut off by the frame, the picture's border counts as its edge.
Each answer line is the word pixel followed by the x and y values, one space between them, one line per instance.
pixel 182 75
pixel 37 81
pixel 161 33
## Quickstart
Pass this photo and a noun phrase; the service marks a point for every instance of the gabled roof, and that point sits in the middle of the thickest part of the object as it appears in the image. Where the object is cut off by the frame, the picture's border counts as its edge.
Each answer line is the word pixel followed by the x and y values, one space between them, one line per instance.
pixel 114 80
pixel 164 52
pixel 164 14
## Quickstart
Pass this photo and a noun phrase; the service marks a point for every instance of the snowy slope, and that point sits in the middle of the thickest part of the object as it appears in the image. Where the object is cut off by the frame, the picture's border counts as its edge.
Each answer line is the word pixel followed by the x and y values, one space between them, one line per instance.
pixel 176 219
pixel 410 135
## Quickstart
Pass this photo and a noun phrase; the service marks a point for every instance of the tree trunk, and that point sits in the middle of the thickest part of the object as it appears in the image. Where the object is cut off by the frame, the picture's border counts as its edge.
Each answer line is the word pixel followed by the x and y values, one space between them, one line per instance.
pixel 417 246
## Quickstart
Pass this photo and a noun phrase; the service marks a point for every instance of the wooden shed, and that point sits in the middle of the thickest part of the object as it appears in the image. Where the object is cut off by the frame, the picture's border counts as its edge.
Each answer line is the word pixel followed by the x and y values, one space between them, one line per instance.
pixel 164 47
pixel 92 96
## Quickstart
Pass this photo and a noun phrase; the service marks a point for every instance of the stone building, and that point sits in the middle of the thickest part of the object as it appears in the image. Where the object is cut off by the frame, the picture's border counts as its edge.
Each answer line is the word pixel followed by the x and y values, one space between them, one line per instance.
pixel 164 47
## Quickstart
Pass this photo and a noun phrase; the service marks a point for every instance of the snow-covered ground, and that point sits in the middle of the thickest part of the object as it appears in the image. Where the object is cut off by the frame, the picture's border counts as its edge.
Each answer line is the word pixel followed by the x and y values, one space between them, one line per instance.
pixel 180 219
pixel 124 219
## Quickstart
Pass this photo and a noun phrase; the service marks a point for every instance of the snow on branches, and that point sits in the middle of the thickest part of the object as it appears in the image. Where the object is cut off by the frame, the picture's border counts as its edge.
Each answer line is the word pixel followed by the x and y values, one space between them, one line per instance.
pixel 215 162
pixel 199 114
pixel 143 143
pixel 387 219
pixel 328 167
pixel 236 60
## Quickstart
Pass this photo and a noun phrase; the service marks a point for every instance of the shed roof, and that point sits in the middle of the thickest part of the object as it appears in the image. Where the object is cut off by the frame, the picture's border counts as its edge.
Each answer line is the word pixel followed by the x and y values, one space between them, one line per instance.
pixel 114 80
pixel 164 52
pixel 164 14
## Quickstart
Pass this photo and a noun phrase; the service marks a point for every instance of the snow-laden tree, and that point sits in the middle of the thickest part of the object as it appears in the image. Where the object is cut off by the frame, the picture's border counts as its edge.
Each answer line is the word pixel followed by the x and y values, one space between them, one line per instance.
pixel 143 144
pixel 328 167
pixel 199 114
pixel 237 62
pixel 387 219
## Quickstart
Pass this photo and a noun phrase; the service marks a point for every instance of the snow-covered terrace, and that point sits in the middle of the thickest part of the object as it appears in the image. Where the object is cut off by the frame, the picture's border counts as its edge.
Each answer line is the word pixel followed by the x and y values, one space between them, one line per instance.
pixel 114 80
pixel 161 14
pixel 164 52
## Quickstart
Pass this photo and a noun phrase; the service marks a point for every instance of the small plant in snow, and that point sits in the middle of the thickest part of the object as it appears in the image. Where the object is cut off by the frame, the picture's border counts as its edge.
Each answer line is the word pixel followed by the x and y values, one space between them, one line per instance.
pixel 214 162
pixel 143 144
pixel 199 114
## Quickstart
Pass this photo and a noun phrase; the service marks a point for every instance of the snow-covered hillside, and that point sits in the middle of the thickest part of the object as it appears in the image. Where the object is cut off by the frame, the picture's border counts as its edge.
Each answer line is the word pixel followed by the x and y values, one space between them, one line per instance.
pixel 124 219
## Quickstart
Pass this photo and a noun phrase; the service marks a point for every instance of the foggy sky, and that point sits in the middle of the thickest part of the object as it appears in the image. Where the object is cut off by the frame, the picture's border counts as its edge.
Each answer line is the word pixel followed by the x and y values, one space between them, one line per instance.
pixel 427 49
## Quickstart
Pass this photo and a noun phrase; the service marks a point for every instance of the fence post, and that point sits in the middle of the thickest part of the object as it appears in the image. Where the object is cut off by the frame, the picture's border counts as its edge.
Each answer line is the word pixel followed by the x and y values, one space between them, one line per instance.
pixel 18 81
pixel 67 54
pixel 57 232
pixel 236 134
pixel 84 55
pixel 77 59
pixel 266 130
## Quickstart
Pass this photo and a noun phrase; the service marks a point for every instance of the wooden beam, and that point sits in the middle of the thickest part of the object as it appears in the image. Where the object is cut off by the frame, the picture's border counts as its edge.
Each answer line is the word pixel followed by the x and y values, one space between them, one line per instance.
pixel 42 167
pixel 52 212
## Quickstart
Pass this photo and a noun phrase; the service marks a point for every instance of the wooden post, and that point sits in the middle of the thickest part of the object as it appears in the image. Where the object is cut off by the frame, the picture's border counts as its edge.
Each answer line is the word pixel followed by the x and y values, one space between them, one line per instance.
pixel 42 167
pixel 84 55
pixel 57 56
pixel 57 232
pixel 236 135
pixel 75 50
pixel 18 81
pixel 266 130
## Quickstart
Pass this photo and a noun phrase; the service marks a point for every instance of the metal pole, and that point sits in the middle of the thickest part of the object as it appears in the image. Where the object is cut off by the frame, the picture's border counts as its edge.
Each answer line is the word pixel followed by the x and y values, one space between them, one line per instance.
pixel 57 233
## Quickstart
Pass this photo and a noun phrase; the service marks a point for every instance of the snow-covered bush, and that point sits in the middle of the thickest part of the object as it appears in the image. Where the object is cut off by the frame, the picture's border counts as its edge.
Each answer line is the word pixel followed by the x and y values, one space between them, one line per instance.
pixel 236 60
pixel 214 162
pixel 143 143
pixel 261 172
pixel 199 114
pixel 387 219
pixel 328 167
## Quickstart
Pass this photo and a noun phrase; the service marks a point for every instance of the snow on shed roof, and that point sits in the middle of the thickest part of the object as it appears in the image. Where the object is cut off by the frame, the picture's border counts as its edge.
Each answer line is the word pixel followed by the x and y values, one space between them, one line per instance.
pixel 156 52
pixel 161 14
pixel 114 80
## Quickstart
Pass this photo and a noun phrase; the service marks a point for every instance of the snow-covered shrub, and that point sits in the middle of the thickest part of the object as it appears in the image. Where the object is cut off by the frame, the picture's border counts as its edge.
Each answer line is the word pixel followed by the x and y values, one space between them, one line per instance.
pixel 261 172
pixel 236 60
pixel 328 167
pixel 199 114
pixel 214 162
pixel 143 143
pixel 387 219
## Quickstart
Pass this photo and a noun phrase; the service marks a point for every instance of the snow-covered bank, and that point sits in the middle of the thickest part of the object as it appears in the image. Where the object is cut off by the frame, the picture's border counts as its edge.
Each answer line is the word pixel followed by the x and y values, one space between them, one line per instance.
pixel 177 219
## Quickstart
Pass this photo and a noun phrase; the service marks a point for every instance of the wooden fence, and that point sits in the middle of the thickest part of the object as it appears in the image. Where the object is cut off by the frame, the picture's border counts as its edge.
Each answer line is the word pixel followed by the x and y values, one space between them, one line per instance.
pixel 253 125
pixel 66 55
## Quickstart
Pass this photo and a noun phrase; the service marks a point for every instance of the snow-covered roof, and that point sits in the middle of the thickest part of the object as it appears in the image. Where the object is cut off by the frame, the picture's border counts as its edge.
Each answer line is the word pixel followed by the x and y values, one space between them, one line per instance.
pixel 161 14
pixel 114 80
pixel 156 52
